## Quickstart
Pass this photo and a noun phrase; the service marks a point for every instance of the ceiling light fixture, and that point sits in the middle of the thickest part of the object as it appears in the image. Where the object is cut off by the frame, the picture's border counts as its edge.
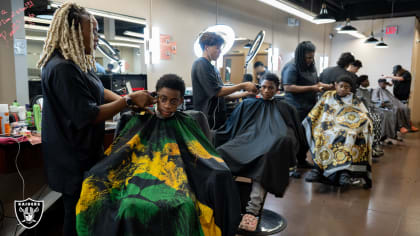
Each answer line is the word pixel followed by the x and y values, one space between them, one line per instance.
pixel 37 27
pixel 35 38
pixel 109 15
pixel 323 17
pixel 347 28
pixel 372 38
pixel 127 39
pixel 37 20
pixel 382 44
pixel 133 34
pixel 291 9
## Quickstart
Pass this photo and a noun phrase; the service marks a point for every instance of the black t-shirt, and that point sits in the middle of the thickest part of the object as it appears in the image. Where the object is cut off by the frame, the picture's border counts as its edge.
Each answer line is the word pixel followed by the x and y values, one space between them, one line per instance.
pixel 303 102
pixel 206 82
pixel 331 74
pixel 71 143
pixel 402 88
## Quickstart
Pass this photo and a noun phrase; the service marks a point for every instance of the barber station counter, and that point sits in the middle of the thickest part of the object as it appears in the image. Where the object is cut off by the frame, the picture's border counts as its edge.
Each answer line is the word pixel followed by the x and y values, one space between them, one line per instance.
pixel 31 166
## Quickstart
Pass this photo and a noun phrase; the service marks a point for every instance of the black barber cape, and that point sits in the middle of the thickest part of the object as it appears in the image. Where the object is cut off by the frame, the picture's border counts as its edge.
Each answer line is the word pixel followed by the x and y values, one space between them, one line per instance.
pixel 71 143
pixel 261 140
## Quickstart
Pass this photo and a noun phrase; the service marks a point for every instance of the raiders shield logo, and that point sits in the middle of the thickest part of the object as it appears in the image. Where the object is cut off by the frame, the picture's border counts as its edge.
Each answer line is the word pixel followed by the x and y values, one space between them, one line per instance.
pixel 29 212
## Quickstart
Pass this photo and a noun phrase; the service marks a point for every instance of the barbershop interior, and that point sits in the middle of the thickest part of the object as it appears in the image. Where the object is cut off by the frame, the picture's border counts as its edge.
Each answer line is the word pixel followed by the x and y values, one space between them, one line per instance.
pixel 122 117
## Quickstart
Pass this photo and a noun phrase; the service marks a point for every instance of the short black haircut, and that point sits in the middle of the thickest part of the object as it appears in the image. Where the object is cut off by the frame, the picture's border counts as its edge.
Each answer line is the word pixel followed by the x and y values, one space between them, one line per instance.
pixel 345 60
pixel 247 78
pixel 357 64
pixel 271 77
pixel 381 80
pixel 257 64
pixel 361 79
pixel 345 78
pixel 171 81
pixel 210 39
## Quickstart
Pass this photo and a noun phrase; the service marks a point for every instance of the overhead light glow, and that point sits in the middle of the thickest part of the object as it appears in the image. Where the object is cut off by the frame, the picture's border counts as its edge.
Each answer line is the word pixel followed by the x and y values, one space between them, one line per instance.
pixel 108 15
pixel 324 17
pixel 155 46
pixel 133 34
pixel 291 9
pixel 225 32
pixel 35 38
pixel 120 38
pixel 37 27
pixel 37 20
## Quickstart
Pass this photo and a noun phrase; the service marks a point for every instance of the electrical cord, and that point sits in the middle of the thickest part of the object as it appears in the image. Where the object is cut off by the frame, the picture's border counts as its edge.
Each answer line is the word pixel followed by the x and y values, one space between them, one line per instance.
pixel 2 216
pixel 16 165
pixel 214 114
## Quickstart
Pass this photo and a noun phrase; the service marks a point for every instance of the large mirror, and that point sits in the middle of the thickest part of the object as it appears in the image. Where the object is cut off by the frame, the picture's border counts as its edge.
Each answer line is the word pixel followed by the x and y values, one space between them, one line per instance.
pixel 235 60
pixel 125 34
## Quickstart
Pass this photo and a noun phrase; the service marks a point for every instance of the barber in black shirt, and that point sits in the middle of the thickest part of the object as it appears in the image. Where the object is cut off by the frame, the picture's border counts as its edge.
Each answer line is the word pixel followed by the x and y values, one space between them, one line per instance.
pixel 402 82
pixel 209 92
pixel 74 110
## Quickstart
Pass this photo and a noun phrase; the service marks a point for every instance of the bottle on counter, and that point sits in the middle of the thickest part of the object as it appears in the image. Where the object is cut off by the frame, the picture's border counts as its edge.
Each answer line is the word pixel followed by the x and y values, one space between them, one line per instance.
pixel 37 117
pixel 4 120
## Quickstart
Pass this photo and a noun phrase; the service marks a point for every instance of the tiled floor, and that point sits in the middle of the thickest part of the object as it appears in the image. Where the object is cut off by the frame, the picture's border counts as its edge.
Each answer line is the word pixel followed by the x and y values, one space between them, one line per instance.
pixel 390 208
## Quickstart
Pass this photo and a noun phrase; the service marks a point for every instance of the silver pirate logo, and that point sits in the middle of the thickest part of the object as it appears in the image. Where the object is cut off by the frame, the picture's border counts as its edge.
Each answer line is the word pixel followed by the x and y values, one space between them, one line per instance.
pixel 29 212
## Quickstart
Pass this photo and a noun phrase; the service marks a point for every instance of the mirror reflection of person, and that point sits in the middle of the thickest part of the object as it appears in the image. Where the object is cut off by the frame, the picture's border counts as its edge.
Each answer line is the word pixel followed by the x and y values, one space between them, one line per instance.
pixel 209 92
pixel 76 105
pixel 260 70
pixel 109 68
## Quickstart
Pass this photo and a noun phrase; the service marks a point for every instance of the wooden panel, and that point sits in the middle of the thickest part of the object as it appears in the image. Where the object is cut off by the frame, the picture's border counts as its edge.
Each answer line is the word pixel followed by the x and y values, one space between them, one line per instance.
pixel 415 72
pixel 236 68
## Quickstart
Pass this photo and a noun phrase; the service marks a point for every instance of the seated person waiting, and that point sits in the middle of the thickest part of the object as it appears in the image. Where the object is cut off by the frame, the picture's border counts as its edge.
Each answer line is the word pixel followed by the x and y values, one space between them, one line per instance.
pixel 260 141
pixel 386 100
pixel 383 119
pixel 339 133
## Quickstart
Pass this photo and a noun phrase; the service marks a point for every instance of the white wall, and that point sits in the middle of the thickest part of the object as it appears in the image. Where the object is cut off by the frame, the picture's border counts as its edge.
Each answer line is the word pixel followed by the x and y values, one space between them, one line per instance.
pixel 185 19
pixel 378 61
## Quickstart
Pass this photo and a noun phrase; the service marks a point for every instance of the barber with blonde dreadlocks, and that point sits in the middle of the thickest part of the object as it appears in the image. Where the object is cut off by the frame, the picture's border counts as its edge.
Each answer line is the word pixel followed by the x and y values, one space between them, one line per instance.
pixel 76 105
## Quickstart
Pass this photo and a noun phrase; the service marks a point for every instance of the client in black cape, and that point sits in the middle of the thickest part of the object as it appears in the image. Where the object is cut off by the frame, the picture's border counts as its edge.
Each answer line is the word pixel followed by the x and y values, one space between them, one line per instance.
pixel 261 140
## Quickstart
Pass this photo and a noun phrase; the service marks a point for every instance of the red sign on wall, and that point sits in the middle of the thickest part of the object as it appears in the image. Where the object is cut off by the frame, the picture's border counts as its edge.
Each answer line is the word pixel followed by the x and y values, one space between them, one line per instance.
pixel 390 30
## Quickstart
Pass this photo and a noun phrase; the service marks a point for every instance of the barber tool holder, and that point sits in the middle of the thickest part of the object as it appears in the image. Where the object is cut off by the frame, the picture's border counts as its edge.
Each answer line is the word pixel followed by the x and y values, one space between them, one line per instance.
pixel 269 223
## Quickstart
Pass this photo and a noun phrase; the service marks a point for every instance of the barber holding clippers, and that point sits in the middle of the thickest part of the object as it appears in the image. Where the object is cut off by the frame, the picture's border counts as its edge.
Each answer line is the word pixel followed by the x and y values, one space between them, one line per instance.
pixel 76 105
pixel 209 92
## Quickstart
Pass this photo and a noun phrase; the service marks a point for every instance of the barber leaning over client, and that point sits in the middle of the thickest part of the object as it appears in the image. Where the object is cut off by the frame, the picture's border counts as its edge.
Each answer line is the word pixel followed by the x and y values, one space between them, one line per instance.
pixel 76 105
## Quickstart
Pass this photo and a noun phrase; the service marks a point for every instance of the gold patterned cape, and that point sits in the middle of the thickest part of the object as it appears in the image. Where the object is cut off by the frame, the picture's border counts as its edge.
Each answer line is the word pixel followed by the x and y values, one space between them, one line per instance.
pixel 339 133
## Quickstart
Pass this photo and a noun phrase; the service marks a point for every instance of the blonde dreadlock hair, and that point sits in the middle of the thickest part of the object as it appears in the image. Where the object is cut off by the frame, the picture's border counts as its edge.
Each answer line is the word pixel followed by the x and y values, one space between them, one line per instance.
pixel 65 34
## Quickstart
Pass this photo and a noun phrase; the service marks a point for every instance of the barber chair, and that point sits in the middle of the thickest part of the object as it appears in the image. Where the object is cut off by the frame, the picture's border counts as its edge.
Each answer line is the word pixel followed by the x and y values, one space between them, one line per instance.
pixel 270 222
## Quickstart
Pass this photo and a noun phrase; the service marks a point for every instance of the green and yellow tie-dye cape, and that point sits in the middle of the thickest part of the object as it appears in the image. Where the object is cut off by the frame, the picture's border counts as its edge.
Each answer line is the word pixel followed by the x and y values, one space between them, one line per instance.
pixel 159 177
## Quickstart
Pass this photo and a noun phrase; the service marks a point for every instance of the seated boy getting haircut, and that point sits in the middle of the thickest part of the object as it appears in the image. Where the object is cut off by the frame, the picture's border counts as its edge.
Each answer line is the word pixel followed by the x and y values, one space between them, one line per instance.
pixel 383 119
pixel 339 133
pixel 261 140
pixel 161 176
pixel 387 100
